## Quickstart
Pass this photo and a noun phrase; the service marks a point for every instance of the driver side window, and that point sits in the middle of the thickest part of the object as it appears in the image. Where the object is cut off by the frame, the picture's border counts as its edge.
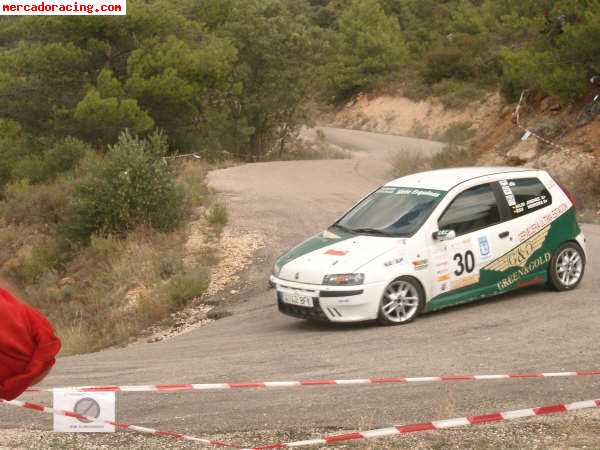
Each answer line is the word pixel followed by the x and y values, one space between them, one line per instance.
pixel 471 210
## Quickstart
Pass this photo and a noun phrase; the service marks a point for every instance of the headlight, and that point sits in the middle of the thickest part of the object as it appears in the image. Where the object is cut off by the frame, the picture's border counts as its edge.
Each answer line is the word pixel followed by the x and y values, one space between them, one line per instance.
pixel 346 279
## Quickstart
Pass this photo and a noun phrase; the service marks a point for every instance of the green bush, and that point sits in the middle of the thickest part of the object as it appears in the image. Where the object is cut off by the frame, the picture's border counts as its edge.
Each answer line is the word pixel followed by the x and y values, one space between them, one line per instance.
pixel 185 287
pixel 217 215
pixel 131 185
pixel 373 47
pixel 47 257
pixel 457 133
pixel 26 204
pixel 448 63
pixel 59 158
pixel 453 156
pixel 455 94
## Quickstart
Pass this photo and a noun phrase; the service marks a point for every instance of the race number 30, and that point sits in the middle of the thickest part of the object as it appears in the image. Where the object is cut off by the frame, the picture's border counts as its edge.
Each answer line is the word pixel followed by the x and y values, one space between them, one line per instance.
pixel 465 263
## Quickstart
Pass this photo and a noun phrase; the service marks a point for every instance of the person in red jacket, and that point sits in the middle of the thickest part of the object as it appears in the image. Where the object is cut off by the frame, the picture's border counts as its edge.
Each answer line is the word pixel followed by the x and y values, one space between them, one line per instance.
pixel 28 346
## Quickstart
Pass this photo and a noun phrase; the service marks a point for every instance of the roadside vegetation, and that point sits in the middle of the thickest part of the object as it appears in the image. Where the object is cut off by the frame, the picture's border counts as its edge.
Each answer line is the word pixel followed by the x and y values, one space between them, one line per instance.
pixel 94 210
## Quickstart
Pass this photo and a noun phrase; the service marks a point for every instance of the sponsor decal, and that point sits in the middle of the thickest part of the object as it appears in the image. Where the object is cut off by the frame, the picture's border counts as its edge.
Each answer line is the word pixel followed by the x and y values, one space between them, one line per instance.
pixel 444 287
pixel 408 191
pixel 420 264
pixel 484 246
pixel 521 254
pixel 387 190
pixel 393 262
pixel 510 197
pixel 465 281
pixel 515 277
pixel 334 252
pixel 532 204
pixel 444 277
pixel 543 222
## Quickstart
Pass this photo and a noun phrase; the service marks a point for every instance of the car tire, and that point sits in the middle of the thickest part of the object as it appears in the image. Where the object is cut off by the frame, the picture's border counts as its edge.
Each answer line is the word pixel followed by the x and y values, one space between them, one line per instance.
pixel 567 267
pixel 401 302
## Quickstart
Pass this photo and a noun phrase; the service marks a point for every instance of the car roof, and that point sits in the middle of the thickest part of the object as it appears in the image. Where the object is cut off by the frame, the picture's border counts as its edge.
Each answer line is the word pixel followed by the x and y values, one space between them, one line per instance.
pixel 446 179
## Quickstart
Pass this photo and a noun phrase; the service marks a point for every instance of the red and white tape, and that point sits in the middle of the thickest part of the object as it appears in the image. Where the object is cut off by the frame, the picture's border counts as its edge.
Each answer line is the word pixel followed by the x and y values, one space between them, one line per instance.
pixel 303 383
pixel 517 116
pixel 123 426
pixel 437 425
pixel 395 430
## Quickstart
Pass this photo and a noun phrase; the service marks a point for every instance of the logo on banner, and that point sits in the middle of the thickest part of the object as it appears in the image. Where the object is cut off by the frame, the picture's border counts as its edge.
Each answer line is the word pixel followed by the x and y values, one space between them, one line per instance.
pixel 98 409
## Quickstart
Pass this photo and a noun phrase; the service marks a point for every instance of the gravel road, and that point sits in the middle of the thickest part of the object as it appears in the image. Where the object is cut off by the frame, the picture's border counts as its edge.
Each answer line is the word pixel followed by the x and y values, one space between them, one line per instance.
pixel 285 202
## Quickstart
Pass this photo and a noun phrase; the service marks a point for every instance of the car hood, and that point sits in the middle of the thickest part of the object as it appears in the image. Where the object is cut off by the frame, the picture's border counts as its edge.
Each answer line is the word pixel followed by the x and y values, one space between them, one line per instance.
pixel 332 253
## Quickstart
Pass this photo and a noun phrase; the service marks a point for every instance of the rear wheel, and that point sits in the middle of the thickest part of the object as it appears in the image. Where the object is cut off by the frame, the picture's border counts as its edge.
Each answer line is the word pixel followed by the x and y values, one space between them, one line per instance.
pixel 566 267
pixel 402 301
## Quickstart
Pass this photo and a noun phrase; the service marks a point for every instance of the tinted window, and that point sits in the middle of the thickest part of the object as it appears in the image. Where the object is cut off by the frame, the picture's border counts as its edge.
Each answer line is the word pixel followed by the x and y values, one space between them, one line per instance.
pixel 472 210
pixel 525 195
pixel 394 211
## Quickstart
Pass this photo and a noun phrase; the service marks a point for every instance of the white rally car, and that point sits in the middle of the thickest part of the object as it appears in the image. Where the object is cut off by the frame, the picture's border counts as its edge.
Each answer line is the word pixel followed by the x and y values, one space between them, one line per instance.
pixel 431 240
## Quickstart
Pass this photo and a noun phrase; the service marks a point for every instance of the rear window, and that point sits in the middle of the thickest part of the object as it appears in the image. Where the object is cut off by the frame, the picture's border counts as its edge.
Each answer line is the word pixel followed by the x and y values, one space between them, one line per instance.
pixel 525 195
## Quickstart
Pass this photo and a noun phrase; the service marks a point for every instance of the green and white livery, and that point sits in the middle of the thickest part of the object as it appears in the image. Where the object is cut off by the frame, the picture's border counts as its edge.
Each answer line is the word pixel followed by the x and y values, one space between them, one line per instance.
pixel 431 240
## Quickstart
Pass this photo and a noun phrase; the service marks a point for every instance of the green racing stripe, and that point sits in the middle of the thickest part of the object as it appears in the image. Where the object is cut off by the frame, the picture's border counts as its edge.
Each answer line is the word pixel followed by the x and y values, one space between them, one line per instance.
pixel 321 240
pixel 533 271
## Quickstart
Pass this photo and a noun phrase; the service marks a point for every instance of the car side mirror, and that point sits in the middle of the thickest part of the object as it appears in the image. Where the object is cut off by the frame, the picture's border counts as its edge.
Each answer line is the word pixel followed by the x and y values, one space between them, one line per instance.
pixel 444 235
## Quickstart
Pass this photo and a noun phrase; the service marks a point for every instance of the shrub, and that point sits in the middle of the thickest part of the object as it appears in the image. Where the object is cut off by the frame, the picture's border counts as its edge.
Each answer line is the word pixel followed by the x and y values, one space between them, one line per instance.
pixel 452 156
pixel 457 133
pixel 217 215
pixel 184 287
pixel 46 257
pixel 419 130
pixel 447 63
pixel 25 204
pixel 65 154
pixel 60 158
pixel 406 163
pixel 456 94
pixel 131 186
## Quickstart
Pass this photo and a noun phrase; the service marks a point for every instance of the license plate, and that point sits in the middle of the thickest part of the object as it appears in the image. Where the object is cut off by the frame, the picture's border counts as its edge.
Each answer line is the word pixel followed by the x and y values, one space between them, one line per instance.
pixel 294 298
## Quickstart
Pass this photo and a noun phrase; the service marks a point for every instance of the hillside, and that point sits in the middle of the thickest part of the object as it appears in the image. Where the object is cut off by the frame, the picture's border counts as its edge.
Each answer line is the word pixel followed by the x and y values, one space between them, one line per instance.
pixel 487 128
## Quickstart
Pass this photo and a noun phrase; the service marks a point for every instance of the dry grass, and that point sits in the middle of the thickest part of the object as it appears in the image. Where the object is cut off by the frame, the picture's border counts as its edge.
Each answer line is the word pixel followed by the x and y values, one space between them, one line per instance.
pixel 405 163
pixel 112 290
pixel 585 186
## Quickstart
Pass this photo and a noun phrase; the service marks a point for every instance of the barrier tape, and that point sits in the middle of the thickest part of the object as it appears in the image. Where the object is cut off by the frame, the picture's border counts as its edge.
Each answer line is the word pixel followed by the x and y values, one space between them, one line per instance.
pixel 290 384
pixel 123 426
pixel 517 116
pixel 395 430
pixel 437 425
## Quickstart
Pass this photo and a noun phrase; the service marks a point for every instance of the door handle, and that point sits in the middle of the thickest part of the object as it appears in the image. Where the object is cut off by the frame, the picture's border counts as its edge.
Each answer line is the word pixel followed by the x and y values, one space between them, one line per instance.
pixel 504 234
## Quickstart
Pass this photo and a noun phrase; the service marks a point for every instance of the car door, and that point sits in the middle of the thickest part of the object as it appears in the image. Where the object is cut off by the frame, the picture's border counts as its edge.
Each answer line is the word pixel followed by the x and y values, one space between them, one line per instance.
pixel 478 215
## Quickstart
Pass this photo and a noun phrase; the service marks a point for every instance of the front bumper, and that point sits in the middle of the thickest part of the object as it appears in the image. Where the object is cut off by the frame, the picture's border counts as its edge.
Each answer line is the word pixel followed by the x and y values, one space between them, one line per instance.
pixel 331 303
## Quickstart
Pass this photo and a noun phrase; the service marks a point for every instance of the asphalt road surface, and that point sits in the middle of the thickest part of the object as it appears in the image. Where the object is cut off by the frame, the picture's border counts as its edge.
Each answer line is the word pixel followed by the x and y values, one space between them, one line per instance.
pixel 532 330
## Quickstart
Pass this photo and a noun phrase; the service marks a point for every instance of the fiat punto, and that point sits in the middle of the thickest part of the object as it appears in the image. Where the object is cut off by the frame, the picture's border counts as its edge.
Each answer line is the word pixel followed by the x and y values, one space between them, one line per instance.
pixel 432 240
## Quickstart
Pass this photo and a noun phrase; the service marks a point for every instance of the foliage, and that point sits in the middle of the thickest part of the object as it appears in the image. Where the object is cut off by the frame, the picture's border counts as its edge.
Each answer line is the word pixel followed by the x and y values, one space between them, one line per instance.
pixel 132 185
pixel 26 204
pixel 217 215
pixel 372 46
pixel 184 287
pixel 61 157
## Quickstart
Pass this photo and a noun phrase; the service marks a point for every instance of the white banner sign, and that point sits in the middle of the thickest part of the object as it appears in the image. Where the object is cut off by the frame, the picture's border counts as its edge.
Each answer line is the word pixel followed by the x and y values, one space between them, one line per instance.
pixel 98 405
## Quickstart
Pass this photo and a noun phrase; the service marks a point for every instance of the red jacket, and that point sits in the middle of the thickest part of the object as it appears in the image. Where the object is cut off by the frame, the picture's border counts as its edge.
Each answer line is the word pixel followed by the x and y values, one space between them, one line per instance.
pixel 28 346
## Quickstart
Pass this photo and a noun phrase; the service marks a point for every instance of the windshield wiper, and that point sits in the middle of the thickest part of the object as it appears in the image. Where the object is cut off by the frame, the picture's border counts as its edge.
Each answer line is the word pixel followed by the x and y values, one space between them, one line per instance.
pixel 341 227
pixel 371 231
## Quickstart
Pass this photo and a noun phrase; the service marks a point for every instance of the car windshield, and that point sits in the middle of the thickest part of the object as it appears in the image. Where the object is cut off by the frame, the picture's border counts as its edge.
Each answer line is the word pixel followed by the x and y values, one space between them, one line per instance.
pixel 391 211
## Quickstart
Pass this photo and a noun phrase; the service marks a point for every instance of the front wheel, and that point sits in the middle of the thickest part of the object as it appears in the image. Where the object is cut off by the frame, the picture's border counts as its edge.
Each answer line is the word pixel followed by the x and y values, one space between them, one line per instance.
pixel 566 267
pixel 402 301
